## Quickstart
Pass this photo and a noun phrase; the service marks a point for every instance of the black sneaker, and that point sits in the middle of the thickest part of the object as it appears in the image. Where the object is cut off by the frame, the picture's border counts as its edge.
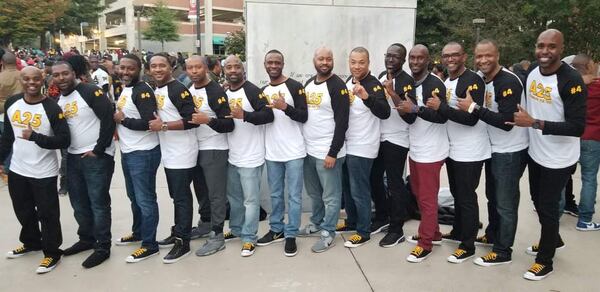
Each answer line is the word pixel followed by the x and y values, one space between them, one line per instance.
pixel 290 249
pixel 538 272
pixel 356 240
pixel 492 259
pixel 20 251
pixel 127 240
pixel 571 209
pixel 180 249
pixel 270 237
pixel 96 258
pixel 167 242
pixel 391 239
pixel 379 226
pixel 229 236
pixel 48 264
pixel 343 227
pixel 483 241
pixel 460 255
pixel 418 254
pixel 248 249
pixel 78 247
pixel 415 239
pixel 450 238
pixel 141 254
pixel 534 249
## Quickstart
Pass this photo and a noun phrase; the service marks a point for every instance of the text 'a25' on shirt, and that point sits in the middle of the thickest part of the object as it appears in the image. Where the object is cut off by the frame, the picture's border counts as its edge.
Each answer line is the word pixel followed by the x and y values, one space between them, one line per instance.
pixel 212 101
pixel 138 104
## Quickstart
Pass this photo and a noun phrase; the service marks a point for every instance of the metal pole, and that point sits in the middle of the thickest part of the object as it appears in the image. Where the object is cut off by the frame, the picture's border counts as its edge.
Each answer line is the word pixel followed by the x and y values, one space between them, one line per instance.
pixel 81 36
pixel 139 29
pixel 477 38
pixel 198 44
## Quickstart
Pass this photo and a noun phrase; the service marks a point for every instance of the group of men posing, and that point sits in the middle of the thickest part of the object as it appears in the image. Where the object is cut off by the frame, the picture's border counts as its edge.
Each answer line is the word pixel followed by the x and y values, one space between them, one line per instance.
pixel 337 138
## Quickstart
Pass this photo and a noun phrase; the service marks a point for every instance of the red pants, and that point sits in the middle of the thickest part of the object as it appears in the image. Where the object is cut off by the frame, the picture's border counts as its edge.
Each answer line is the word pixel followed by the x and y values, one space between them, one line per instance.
pixel 425 184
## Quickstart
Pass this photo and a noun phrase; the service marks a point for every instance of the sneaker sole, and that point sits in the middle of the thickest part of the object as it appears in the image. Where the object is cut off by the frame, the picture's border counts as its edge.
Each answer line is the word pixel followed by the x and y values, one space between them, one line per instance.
pixel 381 229
pixel 587 229
pixel 450 240
pixel 272 241
pixel 323 250
pixel 571 213
pixel 480 262
pixel 483 244
pixel 532 277
pixel 214 251
pixel 166 245
pixel 41 270
pixel 245 255
pixel 415 260
pixel 171 261
pixel 313 234
pixel 452 259
pixel 434 242
pixel 349 244
pixel 230 239
pixel 399 240
pixel 130 259
pixel 120 243
pixel 534 253
pixel 14 256
pixel 290 254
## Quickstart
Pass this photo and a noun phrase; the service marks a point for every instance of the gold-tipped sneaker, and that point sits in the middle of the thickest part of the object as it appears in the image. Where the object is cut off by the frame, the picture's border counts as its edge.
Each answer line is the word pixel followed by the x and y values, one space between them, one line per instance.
pixel 356 240
pixel 127 240
pixel 20 251
pixel 343 227
pixel 48 264
pixel 483 241
pixel 141 254
pixel 492 259
pixel 460 255
pixel 538 272
pixel 418 254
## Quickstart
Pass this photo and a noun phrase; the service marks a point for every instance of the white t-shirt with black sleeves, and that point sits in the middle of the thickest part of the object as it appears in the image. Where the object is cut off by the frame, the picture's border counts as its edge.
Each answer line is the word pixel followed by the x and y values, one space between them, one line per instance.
pixel 395 128
pixel 138 104
pixel 212 100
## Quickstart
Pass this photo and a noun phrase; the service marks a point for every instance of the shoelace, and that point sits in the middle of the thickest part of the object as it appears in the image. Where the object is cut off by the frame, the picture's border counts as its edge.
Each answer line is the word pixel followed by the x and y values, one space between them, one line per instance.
pixel 247 246
pixel 19 249
pixel 483 239
pixel 340 226
pixel 535 247
pixel 536 268
pixel 458 252
pixel 355 238
pixel 490 256
pixel 138 252
pixel 46 262
pixel 228 234
pixel 127 238
pixel 417 251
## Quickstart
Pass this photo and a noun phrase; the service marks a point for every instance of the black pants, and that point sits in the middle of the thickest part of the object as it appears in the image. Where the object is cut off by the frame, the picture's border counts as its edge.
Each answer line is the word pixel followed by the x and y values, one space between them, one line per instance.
pixel 390 205
pixel 463 178
pixel 35 202
pixel 546 185
pixel 201 192
pixel 178 182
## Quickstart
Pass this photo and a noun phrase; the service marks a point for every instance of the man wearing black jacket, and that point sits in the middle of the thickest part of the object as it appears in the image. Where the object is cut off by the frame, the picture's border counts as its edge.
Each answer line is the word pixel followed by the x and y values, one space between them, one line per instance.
pixel 34 126
pixel 90 161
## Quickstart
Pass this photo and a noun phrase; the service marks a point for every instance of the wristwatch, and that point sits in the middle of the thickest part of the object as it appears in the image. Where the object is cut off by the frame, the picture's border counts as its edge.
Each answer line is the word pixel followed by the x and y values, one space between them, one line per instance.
pixel 473 107
pixel 164 127
pixel 536 125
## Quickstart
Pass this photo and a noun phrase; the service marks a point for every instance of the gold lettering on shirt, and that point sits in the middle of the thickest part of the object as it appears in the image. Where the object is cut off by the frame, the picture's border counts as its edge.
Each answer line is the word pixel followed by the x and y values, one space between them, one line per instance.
pixel 21 120
pixel 313 99
pixel 122 101
pixel 70 109
pixel 539 92
pixel 160 101
pixel 198 100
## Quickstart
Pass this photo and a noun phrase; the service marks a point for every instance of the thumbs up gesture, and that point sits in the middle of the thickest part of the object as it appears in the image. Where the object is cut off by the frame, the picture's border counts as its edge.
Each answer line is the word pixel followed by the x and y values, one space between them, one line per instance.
pixel 236 113
pixel 521 118
pixel 278 102
pixel 406 105
pixel 465 103
pixel 360 91
pixel 119 116
pixel 156 124
pixel 26 134
pixel 199 118
pixel 433 102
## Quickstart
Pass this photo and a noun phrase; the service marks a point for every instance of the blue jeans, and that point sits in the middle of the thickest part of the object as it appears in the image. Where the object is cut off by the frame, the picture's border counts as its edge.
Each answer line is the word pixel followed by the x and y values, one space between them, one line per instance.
pixel 178 181
pixel 324 187
pixel 139 169
pixel 590 161
pixel 506 171
pixel 89 183
pixel 357 193
pixel 288 173
pixel 243 192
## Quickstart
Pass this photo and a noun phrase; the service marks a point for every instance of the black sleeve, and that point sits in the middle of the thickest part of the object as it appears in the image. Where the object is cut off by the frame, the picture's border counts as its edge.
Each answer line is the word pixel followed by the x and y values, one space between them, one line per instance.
pixel 217 100
pixel 406 84
pixel 62 136
pixel 261 114
pixel 298 112
pixel 103 109
pixel 182 100
pixel 376 101
pixel 430 86
pixel 573 95
pixel 145 102
pixel 507 93
pixel 8 136
pixel 106 88
pixel 476 85
pixel 340 103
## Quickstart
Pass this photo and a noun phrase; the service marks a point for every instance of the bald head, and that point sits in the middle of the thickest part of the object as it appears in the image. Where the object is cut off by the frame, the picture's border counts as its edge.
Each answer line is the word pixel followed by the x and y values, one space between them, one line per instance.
pixel 234 71
pixel 232 59
pixel 9 59
pixel 548 50
pixel 32 81
pixel 420 49
pixel 194 59
pixel 323 51
pixel 323 61
pixel 418 61
pixel 554 34
pixel 31 71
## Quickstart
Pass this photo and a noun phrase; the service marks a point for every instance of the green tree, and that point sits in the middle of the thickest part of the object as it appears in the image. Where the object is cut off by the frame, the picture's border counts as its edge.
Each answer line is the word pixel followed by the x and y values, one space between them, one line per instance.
pixel 162 25
pixel 77 11
pixel 22 20
pixel 235 44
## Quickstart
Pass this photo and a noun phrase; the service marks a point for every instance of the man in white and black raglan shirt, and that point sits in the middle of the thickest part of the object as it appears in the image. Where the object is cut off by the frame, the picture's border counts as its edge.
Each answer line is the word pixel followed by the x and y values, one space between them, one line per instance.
pixel 246 154
pixel 99 76
pixel 34 126
pixel 140 157
pixel 503 92
pixel 285 152
pixel 210 175
pixel 390 205
pixel 428 151
pixel 469 148
pixel 179 150
pixel 324 133
pixel 555 118
pixel 90 161
pixel 367 107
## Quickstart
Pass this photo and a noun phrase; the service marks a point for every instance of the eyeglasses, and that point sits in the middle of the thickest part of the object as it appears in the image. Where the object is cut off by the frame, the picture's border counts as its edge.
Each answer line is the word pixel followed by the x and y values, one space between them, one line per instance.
pixel 452 56
pixel 392 56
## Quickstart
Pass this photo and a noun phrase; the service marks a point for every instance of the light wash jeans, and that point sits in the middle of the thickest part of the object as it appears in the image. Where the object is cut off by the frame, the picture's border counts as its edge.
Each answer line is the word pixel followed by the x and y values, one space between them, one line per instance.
pixel 288 174
pixel 590 161
pixel 243 193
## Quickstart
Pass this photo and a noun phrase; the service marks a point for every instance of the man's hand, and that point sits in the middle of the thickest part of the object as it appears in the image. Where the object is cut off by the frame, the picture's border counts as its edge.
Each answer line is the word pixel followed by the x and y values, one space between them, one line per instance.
pixel 388 85
pixel 522 118
pixel 279 102
pixel 406 105
pixel 26 134
pixel 329 162
pixel 156 124
pixel 236 113
pixel 88 154
pixel 360 91
pixel 199 118
pixel 434 102
pixel 119 116
pixel 465 103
